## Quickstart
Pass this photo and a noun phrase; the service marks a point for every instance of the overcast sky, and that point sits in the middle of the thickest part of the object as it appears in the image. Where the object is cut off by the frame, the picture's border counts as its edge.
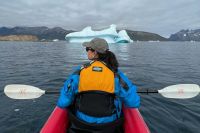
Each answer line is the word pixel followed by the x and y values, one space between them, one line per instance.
pixel 163 17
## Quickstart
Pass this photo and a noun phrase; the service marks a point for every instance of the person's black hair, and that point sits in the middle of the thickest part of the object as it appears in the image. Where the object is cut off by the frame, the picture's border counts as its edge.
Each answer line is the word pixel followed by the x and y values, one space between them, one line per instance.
pixel 110 59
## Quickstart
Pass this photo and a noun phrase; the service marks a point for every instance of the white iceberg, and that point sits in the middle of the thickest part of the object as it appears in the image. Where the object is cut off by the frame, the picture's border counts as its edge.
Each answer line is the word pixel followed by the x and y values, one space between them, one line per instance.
pixel 110 35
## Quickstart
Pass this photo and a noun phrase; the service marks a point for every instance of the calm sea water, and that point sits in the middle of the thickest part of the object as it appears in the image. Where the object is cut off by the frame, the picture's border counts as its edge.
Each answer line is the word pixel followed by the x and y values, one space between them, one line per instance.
pixel 149 65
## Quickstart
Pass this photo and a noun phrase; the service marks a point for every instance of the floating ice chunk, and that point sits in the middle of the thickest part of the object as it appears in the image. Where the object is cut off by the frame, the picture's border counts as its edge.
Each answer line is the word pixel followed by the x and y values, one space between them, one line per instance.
pixel 55 40
pixel 110 35
pixel 16 110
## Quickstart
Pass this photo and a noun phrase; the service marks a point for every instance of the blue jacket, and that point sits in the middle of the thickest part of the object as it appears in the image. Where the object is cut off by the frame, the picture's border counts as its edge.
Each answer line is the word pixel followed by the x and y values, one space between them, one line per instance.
pixel 128 96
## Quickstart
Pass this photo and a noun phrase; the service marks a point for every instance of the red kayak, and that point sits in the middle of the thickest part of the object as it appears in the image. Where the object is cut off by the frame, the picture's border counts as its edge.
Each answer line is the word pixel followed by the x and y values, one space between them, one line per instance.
pixel 58 122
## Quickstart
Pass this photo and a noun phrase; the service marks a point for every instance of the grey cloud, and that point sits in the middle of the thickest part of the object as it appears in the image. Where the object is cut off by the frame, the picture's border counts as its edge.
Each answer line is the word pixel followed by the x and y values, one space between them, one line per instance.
pixel 162 17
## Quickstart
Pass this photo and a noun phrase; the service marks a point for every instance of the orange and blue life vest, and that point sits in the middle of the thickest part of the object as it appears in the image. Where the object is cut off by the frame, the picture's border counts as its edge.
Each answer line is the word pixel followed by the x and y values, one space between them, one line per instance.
pixel 96 90
pixel 92 83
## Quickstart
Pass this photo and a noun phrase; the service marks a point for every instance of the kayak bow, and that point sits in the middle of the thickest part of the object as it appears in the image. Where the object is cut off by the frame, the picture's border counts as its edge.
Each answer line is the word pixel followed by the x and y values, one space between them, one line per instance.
pixel 58 121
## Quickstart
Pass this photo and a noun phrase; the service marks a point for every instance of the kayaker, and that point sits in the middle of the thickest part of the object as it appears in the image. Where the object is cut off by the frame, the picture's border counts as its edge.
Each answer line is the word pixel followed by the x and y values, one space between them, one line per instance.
pixel 94 92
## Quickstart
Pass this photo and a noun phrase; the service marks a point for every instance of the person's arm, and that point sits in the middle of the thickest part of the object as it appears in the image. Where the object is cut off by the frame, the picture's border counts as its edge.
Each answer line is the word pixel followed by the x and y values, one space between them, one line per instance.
pixel 69 89
pixel 128 92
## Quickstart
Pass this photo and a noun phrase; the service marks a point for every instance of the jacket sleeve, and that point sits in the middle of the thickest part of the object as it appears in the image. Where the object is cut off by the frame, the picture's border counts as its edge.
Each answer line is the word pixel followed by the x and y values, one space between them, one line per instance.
pixel 69 90
pixel 128 92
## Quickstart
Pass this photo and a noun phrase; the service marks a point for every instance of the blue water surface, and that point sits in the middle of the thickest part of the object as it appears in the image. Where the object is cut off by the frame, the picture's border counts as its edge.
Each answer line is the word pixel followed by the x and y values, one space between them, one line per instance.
pixel 152 65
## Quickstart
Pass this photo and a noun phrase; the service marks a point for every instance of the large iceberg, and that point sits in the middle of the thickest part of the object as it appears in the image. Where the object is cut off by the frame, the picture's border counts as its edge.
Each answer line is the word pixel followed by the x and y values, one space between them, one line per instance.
pixel 110 35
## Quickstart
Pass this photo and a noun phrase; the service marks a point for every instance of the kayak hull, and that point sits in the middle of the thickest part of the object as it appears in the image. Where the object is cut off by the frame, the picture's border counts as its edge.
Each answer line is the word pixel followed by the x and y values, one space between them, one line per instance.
pixel 134 123
pixel 58 121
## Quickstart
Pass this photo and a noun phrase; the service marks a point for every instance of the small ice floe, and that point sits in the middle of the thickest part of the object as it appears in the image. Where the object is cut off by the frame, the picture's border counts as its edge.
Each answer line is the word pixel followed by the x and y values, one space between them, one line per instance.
pixel 55 40
pixel 16 110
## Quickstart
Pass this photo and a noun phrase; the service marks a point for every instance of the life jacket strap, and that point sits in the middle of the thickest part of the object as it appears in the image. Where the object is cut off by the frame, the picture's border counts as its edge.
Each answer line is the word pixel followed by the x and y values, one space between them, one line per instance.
pixel 122 82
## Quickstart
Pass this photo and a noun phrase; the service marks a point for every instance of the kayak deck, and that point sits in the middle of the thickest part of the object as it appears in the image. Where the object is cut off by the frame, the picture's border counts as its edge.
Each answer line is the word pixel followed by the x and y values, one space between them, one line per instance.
pixel 58 121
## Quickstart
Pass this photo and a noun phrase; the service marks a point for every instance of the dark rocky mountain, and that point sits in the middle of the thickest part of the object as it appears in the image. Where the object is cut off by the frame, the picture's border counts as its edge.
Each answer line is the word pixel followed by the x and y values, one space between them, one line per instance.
pixel 145 36
pixel 43 33
pixel 186 35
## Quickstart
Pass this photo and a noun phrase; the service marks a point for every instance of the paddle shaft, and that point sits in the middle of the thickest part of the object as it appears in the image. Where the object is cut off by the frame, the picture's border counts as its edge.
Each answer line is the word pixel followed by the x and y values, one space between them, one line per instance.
pixel 52 92
pixel 141 91
pixel 147 91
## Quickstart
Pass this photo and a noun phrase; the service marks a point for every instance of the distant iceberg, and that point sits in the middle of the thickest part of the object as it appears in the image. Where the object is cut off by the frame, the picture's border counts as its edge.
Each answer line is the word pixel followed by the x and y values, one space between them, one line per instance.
pixel 110 35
